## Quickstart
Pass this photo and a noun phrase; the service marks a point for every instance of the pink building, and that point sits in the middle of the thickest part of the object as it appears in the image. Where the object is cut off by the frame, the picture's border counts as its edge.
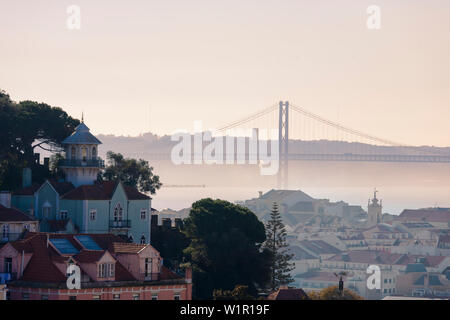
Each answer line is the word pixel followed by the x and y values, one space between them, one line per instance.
pixel 111 269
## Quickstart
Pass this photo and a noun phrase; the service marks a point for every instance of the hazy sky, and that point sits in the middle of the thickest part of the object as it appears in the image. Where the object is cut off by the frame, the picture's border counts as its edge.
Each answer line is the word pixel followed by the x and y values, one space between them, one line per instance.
pixel 138 66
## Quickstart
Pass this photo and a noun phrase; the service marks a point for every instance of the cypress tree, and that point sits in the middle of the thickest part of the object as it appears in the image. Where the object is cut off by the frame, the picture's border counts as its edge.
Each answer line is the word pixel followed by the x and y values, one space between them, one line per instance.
pixel 276 244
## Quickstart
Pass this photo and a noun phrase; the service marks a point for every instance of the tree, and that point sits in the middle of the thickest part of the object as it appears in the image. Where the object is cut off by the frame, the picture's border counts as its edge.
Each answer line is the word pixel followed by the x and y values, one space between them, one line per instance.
pixel 225 247
pixel 333 293
pixel 280 265
pixel 132 172
pixel 238 293
pixel 25 127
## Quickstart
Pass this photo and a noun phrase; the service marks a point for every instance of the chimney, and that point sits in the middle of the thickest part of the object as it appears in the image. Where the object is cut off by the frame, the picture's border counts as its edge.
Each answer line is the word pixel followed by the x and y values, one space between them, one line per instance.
pixel 260 194
pixel 188 275
pixel 5 199
pixel 26 177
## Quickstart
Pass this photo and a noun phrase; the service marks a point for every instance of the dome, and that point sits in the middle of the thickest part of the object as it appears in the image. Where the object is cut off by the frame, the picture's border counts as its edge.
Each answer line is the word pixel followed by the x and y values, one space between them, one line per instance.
pixel 81 135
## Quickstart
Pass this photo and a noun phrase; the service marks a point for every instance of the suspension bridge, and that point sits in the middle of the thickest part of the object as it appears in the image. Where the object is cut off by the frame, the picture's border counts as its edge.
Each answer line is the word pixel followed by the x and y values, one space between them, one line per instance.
pixel 305 136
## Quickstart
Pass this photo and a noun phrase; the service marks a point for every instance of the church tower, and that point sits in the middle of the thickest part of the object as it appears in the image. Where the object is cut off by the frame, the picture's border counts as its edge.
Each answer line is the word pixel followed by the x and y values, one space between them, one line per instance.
pixel 374 210
pixel 81 164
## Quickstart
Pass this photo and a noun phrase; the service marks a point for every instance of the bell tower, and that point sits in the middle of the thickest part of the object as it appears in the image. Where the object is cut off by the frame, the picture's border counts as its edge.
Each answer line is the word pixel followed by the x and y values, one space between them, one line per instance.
pixel 374 210
pixel 81 164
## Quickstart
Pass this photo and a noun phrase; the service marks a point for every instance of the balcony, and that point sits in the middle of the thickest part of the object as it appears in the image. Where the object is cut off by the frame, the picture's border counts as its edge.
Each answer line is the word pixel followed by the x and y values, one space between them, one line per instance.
pixel 10 236
pixel 91 163
pixel 120 224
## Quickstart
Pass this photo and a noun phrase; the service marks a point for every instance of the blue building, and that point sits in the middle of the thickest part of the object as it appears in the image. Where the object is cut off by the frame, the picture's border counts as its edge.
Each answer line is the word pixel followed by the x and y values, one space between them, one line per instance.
pixel 81 204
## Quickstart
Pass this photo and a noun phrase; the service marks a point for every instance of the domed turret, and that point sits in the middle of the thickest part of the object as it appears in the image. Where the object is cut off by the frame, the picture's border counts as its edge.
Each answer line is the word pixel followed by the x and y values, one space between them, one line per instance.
pixel 82 163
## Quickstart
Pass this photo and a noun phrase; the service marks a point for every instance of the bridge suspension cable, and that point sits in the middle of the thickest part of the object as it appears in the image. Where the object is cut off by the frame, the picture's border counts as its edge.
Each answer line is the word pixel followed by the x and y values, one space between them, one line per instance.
pixel 249 118
pixel 341 127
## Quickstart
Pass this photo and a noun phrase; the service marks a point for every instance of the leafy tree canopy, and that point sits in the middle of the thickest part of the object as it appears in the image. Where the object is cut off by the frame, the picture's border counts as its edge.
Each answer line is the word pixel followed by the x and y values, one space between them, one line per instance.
pixel 332 293
pixel 225 248
pixel 26 126
pixel 238 293
pixel 132 172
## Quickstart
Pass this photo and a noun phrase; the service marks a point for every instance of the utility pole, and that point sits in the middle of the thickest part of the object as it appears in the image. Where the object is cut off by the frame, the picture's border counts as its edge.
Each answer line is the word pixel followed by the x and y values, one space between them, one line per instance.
pixel 283 140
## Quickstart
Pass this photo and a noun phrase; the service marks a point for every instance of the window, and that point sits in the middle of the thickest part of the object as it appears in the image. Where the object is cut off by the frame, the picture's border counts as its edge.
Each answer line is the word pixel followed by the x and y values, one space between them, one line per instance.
pixel 93 215
pixel 136 296
pixel 26 227
pixel 94 153
pixel 5 231
pixel 111 270
pixel 73 153
pixel 96 297
pixel 46 210
pixel 143 214
pixel 7 266
pixel 118 212
pixel 116 296
pixel 106 270
pixel 176 296
pixel 63 215
pixel 84 153
pixel 148 266
pixel 44 297
pixel 154 296
pixel 385 280
pixel 25 296
pixel 143 240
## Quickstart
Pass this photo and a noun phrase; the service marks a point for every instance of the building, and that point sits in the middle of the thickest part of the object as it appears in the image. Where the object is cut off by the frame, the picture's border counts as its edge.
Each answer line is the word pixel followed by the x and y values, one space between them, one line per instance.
pixel 355 263
pixel 13 223
pixel 80 203
pixel 374 210
pixel 110 268
pixel 437 217
pixel 297 207
pixel 417 282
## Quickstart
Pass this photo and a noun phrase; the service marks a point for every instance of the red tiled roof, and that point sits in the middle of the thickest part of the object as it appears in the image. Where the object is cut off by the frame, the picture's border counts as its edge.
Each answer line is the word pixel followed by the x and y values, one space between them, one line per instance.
pixel 102 191
pixel 27 191
pixel 121 247
pixel 167 274
pixel 62 187
pixel 384 257
pixel 433 215
pixel 288 294
pixel 98 191
pixel 41 268
pixel 122 274
pixel 89 256
pixel 12 214
pixel 134 194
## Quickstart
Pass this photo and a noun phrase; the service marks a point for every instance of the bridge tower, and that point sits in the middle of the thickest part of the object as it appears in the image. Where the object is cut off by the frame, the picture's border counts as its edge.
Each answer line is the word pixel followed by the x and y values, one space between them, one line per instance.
pixel 283 140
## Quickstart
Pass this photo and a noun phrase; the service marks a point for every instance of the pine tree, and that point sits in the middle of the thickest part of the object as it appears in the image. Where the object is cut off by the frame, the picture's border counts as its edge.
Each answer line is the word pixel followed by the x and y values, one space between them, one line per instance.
pixel 276 244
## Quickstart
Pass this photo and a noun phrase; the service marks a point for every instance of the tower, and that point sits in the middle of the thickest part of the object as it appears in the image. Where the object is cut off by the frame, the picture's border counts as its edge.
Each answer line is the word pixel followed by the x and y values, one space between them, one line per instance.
pixel 283 140
pixel 82 163
pixel 374 208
